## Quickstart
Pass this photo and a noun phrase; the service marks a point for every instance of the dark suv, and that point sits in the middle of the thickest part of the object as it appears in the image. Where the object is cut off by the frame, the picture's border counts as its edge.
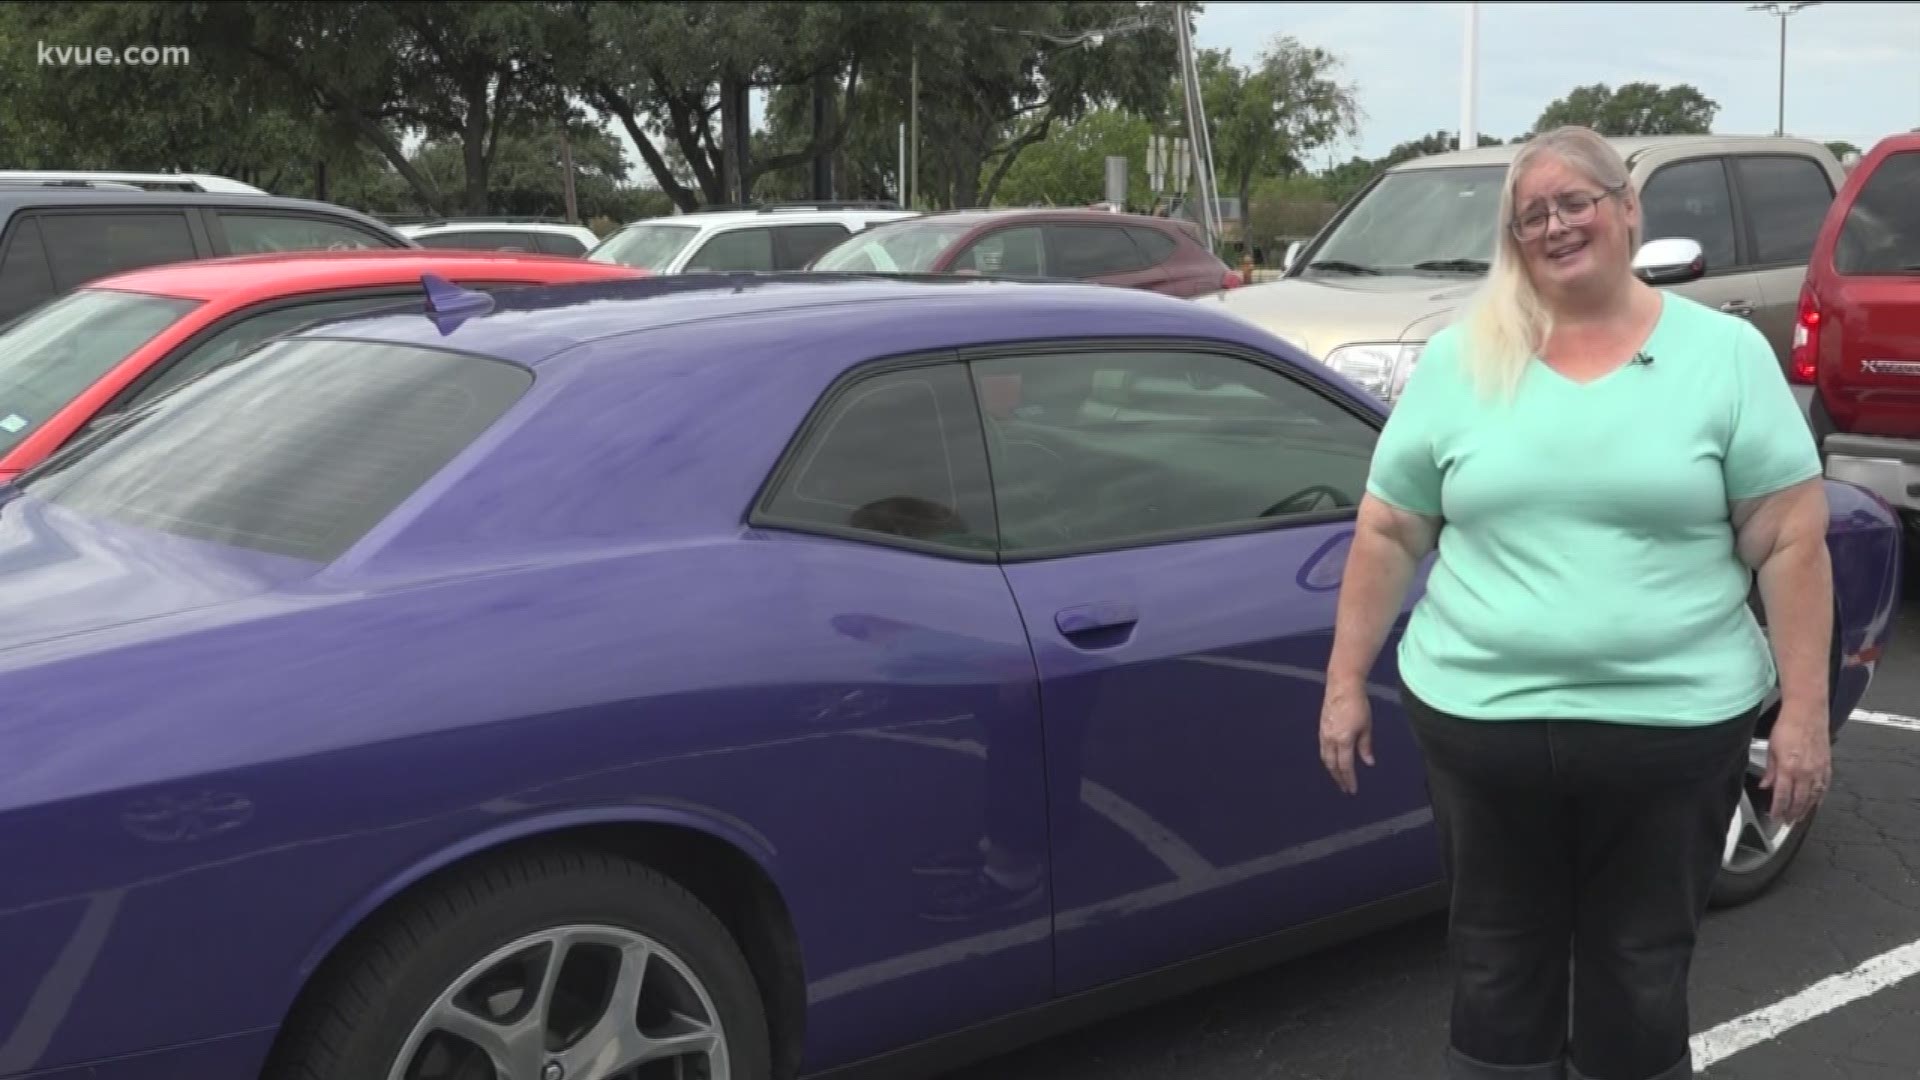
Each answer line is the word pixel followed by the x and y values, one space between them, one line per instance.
pixel 53 238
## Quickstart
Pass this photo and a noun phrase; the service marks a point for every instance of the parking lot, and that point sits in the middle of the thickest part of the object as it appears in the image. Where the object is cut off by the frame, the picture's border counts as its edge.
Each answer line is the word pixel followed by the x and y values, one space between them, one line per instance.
pixel 1776 994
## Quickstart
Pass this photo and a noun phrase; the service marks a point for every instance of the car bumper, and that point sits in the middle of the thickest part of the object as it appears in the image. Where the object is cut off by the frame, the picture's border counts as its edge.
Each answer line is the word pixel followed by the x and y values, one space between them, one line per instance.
pixel 1890 468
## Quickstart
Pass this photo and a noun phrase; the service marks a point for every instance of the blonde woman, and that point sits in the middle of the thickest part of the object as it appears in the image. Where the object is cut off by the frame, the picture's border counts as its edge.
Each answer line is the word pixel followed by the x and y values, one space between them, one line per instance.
pixel 1601 467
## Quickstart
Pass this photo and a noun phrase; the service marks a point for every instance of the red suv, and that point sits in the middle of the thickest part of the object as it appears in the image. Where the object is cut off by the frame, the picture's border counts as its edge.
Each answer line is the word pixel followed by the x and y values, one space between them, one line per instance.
pixel 1858 334
pixel 1128 250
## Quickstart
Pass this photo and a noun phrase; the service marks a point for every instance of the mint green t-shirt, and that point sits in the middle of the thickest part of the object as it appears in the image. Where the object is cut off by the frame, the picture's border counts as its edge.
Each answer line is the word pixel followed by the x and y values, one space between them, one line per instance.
pixel 1586 566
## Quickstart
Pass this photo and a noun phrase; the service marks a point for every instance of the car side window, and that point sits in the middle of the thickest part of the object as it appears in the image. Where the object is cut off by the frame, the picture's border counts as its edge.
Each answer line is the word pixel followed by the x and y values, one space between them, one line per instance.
pixel 1785 197
pixel 738 249
pixel 1881 234
pixel 1154 244
pixel 895 455
pixel 82 247
pixel 236 340
pixel 1015 252
pixel 1117 447
pixel 26 279
pixel 1691 200
pixel 474 240
pixel 799 244
pixel 1090 251
pixel 252 233
pixel 553 243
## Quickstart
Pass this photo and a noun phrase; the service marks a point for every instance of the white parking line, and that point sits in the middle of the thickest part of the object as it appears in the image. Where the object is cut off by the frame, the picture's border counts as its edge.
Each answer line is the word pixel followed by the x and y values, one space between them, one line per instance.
pixel 1885 719
pixel 1823 997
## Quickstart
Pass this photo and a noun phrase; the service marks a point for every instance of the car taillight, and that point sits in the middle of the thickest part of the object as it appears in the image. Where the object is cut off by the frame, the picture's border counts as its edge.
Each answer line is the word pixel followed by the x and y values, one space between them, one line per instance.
pixel 1803 362
pixel 1232 280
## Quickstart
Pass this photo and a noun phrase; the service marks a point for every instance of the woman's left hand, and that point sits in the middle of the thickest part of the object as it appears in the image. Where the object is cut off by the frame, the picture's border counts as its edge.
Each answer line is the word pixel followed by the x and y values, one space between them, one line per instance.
pixel 1799 763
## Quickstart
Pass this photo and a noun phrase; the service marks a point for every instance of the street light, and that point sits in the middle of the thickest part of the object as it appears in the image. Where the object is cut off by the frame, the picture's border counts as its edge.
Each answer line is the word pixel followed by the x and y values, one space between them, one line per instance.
pixel 1782 11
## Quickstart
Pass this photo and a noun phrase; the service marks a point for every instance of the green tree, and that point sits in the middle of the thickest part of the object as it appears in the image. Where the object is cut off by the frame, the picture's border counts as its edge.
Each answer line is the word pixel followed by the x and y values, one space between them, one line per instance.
pixel 1264 119
pixel 1070 169
pixel 1638 108
pixel 1840 148
pixel 1343 181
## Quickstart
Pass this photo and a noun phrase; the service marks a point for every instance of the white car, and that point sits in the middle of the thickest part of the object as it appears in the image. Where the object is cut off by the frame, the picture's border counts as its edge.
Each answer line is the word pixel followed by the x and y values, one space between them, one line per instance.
pixel 780 237
pixel 536 235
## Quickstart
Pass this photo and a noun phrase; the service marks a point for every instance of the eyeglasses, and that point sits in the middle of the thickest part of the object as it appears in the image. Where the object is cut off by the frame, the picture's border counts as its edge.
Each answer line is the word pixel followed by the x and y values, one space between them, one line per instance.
pixel 1574 209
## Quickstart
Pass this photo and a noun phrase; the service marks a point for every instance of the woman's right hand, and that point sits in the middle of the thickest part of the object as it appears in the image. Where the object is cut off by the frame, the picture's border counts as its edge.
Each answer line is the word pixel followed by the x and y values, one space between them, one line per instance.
pixel 1346 732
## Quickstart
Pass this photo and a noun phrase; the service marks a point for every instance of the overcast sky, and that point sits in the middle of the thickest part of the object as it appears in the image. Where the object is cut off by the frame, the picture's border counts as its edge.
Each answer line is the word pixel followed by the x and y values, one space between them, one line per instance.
pixel 1853 70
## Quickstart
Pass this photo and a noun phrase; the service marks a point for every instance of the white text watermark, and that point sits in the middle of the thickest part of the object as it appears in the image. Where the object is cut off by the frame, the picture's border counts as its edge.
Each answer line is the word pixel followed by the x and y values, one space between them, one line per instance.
pixel 107 56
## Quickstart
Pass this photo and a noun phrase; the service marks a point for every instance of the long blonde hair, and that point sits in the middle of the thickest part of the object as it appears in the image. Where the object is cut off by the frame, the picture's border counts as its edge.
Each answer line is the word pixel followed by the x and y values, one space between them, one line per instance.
pixel 1507 322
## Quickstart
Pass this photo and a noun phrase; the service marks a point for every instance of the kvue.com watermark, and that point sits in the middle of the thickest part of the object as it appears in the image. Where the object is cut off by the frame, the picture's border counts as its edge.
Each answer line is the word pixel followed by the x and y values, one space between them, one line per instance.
pixel 106 56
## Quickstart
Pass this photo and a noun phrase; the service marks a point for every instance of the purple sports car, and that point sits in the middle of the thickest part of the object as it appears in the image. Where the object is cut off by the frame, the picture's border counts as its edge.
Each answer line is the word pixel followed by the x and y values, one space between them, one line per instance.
pixel 725 677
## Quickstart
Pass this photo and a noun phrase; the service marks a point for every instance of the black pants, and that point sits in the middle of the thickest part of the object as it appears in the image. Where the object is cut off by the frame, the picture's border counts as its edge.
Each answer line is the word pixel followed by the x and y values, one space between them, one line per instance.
pixel 1579 858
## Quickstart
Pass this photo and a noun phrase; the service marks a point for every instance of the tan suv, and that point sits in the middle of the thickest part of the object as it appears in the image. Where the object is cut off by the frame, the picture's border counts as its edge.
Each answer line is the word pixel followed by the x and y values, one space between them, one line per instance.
pixel 1730 222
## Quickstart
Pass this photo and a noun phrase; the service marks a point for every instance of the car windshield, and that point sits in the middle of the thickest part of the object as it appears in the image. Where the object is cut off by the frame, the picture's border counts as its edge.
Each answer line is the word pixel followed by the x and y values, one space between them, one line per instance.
pixel 51 354
pixel 297 449
pixel 644 247
pixel 1423 220
pixel 893 249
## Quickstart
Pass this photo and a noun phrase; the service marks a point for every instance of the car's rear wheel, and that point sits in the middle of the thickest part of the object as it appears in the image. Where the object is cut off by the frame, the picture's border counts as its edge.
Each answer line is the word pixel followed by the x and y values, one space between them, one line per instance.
pixel 552 966
pixel 1758 849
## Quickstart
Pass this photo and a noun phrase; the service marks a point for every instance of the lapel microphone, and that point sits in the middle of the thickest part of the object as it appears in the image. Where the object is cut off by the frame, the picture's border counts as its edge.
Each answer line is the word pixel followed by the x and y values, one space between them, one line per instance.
pixel 1642 359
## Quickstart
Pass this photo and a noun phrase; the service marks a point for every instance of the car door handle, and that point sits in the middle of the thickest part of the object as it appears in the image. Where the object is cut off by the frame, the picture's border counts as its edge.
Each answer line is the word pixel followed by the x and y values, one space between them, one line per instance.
pixel 1097 625
pixel 1737 307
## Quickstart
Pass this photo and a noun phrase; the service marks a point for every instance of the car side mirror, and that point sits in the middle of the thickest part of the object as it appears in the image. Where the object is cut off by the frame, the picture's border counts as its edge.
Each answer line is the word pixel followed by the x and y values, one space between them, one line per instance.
pixel 1670 260
pixel 1293 255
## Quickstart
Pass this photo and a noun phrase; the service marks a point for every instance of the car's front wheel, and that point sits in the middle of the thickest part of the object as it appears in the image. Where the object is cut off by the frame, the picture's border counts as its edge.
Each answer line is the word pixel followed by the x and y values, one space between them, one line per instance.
pixel 552 966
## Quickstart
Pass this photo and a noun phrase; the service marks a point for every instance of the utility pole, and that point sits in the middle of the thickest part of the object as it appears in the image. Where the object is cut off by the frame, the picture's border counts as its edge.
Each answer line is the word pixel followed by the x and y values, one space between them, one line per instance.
pixel 1470 80
pixel 913 134
pixel 1782 12
pixel 566 162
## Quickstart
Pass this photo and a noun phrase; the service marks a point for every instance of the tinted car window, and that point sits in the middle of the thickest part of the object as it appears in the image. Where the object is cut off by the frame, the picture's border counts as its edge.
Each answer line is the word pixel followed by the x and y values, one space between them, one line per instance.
pixel 1086 251
pixel 49 357
pixel 1107 448
pixel 1786 199
pixel 233 342
pixel 82 247
pixel 646 247
pixel 560 244
pixel 741 249
pixel 297 449
pixel 1691 200
pixel 896 454
pixel 909 247
pixel 25 277
pixel 478 241
pixel 1154 244
pixel 801 244
pixel 1881 234
pixel 250 233
pixel 1016 252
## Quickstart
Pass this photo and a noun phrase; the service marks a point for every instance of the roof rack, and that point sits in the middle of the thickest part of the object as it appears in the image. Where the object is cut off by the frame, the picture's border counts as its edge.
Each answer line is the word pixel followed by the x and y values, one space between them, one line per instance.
pixel 506 219
pixel 96 185
pixel 774 208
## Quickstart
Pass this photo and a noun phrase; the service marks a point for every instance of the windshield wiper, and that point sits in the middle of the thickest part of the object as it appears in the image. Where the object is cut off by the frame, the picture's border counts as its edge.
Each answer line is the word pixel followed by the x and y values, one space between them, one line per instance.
pixel 1340 266
pixel 1472 266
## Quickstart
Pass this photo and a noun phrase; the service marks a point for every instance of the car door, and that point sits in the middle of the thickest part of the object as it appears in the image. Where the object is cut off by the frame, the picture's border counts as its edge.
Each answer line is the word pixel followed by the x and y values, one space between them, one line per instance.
pixel 82 245
pixel 1692 198
pixel 1010 251
pixel 1783 200
pixel 1101 253
pixel 1173 523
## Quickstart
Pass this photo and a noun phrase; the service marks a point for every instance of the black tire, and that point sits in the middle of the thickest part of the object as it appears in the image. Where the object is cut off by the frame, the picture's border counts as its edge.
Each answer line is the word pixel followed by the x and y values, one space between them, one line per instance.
pixel 1732 889
pixel 357 1021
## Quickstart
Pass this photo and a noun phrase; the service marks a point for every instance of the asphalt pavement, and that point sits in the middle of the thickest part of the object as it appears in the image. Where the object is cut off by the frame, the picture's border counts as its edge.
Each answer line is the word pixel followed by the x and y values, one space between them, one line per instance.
pixel 1782 989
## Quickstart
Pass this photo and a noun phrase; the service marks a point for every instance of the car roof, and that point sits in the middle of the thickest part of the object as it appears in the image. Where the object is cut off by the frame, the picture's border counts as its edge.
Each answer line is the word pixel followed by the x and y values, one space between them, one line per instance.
pixel 533 325
pixel 1628 148
pixel 286 273
pixel 14 194
pixel 984 214
pixel 417 228
pixel 771 215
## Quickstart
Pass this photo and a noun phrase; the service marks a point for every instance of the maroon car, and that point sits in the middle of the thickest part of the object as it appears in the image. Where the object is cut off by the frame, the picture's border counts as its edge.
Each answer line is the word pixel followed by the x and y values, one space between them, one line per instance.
pixel 1129 250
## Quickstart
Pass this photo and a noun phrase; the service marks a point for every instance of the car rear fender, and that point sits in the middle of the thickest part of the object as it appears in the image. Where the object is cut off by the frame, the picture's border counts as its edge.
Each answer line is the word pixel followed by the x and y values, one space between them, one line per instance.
pixel 1864 541
pixel 734 834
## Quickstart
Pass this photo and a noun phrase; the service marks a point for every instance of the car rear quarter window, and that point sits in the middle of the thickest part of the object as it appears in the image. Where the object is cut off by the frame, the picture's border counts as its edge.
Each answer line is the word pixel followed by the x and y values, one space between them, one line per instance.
pixel 474 240
pixel 298 449
pixel 553 243
pixel 801 244
pixel 251 233
pixel 894 456
pixel 1785 198
pixel 1881 232
pixel 1154 244
pixel 84 246
pixel 736 249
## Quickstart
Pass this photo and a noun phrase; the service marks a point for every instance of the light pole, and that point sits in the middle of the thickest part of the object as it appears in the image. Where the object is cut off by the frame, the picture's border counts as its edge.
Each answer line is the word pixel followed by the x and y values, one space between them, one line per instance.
pixel 1782 11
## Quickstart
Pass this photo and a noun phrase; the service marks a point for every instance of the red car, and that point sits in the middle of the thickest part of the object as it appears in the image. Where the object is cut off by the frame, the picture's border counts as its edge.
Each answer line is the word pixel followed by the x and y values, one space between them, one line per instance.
pixel 1858 336
pixel 1127 250
pixel 121 340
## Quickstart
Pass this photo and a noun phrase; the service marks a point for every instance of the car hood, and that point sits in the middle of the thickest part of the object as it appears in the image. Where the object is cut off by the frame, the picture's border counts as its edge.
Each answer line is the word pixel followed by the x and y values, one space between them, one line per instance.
pixel 64 574
pixel 1318 315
